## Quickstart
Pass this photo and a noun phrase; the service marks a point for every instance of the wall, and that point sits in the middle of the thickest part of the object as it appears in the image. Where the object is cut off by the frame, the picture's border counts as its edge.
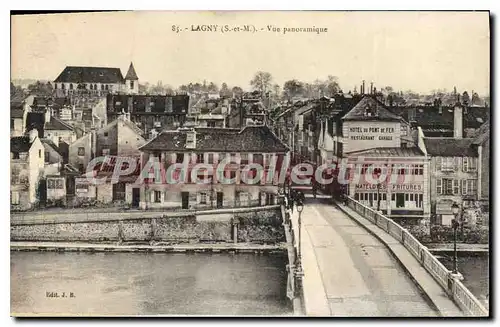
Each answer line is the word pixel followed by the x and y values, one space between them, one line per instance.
pixel 262 226
pixel 74 159
pixel 36 166
pixel 18 127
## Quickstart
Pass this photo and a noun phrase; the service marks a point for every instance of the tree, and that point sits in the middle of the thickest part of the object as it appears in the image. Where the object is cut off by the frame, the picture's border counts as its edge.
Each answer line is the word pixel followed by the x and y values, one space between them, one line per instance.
pixel 261 82
pixel 293 88
pixel 237 91
pixel 212 87
pixel 332 85
pixel 224 90
pixel 40 89
pixel 476 100
pixel 465 98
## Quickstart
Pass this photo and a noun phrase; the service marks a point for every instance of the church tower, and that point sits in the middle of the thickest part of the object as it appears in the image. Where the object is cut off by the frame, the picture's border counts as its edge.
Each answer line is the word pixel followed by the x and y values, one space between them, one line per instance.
pixel 131 80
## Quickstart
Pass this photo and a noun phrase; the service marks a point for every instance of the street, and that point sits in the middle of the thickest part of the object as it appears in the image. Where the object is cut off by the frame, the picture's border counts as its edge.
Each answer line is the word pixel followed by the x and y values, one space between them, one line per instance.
pixel 357 272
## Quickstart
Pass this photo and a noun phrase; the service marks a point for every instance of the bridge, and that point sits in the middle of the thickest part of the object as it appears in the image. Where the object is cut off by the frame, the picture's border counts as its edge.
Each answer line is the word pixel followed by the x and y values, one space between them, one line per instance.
pixel 356 262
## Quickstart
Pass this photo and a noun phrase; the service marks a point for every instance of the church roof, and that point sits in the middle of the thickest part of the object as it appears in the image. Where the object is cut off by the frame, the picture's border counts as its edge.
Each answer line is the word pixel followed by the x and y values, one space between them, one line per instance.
pixel 131 74
pixel 105 75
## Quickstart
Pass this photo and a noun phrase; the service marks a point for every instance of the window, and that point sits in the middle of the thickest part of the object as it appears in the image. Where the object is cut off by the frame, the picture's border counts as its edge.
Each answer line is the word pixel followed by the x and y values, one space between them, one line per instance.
pixel 179 158
pixel 81 151
pixel 404 145
pixel 14 197
pixel 71 86
pixel 102 87
pixel 199 157
pixel 157 196
pixel 95 86
pixel 449 163
pixel 106 134
pixel 107 87
pixel 411 197
pixel 47 157
pixel 63 86
pixel 15 155
pixel 446 186
pixel 105 152
pixel 469 187
pixel 469 164
pixel 131 84
pixel 456 187
pixel 55 86
pixel 419 199
pixel 393 197
pixel 244 158
pixel 39 153
pixel 210 158
pixel 356 196
pixel 258 158
pixel 203 198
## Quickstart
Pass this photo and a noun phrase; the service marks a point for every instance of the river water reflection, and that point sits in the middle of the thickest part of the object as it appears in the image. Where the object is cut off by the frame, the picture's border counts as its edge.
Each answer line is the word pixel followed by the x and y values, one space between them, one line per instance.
pixel 149 284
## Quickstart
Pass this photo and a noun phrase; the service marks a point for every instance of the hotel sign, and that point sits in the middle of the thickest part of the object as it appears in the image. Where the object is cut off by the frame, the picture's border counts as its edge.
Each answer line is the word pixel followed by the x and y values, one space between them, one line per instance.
pixel 371 133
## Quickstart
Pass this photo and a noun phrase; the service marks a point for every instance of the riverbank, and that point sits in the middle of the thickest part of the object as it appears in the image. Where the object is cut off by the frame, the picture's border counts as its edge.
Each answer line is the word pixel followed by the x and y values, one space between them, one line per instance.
pixel 156 247
pixel 461 247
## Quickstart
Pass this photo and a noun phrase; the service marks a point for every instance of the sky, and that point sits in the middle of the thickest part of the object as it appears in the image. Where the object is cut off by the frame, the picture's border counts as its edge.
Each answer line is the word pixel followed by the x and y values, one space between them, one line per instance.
pixel 419 51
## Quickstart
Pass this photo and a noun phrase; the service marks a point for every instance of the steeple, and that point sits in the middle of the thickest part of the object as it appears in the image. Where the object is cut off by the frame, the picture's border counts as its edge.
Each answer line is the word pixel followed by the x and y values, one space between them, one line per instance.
pixel 131 75
pixel 131 80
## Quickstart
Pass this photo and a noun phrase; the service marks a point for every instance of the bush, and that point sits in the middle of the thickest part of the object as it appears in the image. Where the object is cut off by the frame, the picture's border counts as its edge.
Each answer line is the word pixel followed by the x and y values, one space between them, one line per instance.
pixel 469 235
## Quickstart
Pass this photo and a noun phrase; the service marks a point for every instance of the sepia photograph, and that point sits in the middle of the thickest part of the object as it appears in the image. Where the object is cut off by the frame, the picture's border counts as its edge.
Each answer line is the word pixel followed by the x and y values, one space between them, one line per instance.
pixel 250 163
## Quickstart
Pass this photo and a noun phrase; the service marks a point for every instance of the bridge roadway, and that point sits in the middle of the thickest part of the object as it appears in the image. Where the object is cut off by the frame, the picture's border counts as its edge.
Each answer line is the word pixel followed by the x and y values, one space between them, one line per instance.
pixel 350 273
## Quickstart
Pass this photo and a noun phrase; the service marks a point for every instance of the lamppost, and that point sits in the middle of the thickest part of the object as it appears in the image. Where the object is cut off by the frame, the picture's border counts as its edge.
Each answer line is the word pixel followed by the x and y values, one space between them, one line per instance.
pixel 455 208
pixel 299 273
pixel 377 172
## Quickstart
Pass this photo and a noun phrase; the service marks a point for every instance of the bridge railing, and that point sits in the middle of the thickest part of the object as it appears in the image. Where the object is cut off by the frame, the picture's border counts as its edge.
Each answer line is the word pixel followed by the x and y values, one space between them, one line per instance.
pixel 455 289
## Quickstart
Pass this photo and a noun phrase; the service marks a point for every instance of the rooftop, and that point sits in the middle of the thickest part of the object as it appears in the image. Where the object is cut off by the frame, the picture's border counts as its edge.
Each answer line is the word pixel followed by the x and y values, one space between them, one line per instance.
pixel 449 147
pixel 131 74
pixel 249 139
pixel 76 74
pixel 57 125
pixel 20 144
pixel 377 111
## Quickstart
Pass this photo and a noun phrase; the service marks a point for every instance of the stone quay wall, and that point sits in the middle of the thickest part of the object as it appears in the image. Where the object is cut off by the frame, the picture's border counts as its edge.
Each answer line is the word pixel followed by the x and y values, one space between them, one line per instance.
pixel 259 226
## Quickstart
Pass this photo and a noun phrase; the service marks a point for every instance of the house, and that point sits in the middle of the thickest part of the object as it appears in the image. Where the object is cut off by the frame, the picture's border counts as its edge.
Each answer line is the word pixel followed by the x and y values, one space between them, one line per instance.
pixel 58 131
pixel 453 175
pixel 149 112
pixel 119 138
pixel 53 157
pixel 482 142
pixel 211 146
pixel 26 163
pixel 362 133
pixel 97 81
pixel 247 110
pixel 209 112
pixel 19 109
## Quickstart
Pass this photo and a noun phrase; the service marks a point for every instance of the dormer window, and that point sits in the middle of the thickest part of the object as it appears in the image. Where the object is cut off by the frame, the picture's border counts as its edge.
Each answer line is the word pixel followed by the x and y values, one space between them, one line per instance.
pixel 191 140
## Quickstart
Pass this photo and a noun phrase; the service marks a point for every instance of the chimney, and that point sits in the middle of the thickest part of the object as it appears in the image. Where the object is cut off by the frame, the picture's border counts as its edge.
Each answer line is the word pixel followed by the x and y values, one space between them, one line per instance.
pixel 93 142
pixel 33 134
pixel 458 122
pixel 363 91
pixel 48 115
pixel 371 88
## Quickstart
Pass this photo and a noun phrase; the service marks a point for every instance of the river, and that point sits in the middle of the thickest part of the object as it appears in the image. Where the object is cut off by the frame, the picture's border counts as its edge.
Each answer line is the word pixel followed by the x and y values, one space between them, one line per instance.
pixel 474 269
pixel 148 284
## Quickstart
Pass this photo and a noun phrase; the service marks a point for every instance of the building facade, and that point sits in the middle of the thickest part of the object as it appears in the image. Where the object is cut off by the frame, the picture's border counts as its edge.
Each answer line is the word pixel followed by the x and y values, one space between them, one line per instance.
pixel 210 147
pixel 149 112
pixel 97 81
pixel 27 166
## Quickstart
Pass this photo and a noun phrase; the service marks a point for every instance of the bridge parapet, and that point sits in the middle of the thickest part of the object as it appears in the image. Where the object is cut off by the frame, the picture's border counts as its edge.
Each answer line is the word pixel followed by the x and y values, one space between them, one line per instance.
pixel 455 289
